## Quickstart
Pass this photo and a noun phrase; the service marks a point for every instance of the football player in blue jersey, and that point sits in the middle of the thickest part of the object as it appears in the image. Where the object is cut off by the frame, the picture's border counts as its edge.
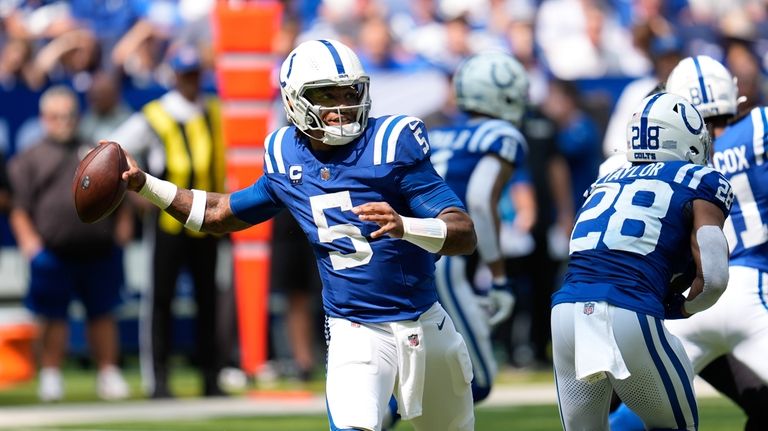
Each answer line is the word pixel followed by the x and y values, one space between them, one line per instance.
pixel 737 325
pixel 638 225
pixel 375 211
pixel 476 157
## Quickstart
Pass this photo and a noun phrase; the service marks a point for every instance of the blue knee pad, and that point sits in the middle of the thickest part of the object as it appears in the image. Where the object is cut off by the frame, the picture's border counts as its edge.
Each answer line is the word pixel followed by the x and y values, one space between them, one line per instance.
pixel 624 419
pixel 391 418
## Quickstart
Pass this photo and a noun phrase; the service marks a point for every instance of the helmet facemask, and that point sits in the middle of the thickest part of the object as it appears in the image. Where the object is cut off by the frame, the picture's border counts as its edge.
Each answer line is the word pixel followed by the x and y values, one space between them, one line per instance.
pixel 352 118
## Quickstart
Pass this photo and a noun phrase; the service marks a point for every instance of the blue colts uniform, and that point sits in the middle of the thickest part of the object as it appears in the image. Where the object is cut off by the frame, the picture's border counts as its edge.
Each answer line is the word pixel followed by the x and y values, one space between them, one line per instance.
pixel 458 154
pixel 634 230
pixel 632 233
pixel 740 157
pixel 456 150
pixel 384 326
pixel 364 279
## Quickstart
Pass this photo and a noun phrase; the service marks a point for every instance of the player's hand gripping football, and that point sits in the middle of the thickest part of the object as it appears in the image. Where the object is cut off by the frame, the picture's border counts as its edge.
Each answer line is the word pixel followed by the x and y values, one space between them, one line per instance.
pixel 134 176
pixel 382 214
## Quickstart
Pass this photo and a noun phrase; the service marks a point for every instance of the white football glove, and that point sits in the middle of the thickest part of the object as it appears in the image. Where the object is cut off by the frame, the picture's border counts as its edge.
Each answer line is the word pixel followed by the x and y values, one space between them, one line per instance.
pixel 499 303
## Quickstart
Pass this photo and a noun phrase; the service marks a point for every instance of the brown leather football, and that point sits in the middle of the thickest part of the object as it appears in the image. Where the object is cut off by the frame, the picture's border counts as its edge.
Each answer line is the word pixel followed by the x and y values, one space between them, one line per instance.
pixel 98 187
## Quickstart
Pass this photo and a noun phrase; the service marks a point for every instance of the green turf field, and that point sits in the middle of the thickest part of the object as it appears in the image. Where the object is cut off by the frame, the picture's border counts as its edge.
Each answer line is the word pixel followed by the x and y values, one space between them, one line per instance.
pixel 716 414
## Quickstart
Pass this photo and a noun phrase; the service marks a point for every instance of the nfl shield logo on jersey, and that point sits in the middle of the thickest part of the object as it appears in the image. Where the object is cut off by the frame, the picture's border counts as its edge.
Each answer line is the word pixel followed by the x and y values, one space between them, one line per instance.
pixel 413 340
pixel 325 174
pixel 294 173
pixel 589 308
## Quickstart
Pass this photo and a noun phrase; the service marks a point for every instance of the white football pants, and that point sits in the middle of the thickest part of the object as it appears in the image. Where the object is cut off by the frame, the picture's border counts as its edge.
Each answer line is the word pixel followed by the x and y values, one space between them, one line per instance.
pixel 366 366
pixel 736 324
pixel 659 389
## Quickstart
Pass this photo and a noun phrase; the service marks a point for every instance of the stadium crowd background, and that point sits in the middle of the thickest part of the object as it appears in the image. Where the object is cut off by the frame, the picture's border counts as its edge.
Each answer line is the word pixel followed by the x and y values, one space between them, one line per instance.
pixel 580 55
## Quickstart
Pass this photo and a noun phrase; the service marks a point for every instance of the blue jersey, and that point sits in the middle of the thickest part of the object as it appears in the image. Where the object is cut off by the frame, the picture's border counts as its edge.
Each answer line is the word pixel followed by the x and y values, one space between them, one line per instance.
pixel 457 150
pixel 364 279
pixel 740 157
pixel 634 231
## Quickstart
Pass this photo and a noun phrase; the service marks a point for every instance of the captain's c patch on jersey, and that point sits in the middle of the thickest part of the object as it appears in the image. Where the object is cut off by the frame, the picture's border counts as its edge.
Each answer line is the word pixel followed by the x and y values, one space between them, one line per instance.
pixel 295 173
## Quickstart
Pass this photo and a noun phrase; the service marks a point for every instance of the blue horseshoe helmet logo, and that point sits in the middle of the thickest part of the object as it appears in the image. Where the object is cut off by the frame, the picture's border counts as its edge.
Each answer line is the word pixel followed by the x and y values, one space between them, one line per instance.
pixel 499 82
pixel 695 131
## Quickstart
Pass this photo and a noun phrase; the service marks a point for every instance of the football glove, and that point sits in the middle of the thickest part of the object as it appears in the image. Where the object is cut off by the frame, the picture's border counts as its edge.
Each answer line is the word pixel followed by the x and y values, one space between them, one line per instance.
pixel 499 302
pixel 673 306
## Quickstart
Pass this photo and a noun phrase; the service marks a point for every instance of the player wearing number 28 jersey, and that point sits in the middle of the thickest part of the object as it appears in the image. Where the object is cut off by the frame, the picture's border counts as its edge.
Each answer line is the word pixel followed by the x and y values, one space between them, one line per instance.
pixel 375 212
pixel 636 227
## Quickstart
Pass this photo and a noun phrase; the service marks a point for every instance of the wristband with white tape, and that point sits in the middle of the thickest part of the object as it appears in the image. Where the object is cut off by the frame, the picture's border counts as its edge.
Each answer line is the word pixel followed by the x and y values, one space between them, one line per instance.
pixel 427 233
pixel 159 192
pixel 197 213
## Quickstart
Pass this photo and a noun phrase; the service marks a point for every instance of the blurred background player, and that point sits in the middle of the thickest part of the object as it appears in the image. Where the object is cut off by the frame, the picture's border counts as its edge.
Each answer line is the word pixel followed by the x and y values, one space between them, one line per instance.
pixel 476 156
pixel 68 259
pixel 178 137
pixel 346 178
pixel 637 226
pixel 737 325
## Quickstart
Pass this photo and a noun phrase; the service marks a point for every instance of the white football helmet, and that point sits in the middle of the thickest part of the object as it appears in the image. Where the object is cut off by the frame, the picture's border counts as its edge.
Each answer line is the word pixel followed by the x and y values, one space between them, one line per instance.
pixel 667 127
pixel 324 63
pixel 707 84
pixel 493 84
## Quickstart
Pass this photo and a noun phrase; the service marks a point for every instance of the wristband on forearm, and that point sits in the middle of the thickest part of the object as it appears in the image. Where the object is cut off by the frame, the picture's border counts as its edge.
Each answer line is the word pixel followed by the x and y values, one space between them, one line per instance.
pixel 427 233
pixel 197 213
pixel 159 192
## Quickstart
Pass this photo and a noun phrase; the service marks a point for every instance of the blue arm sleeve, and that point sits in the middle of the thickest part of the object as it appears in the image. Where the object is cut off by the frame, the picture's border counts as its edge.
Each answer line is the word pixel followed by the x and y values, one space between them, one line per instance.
pixel 256 203
pixel 426 192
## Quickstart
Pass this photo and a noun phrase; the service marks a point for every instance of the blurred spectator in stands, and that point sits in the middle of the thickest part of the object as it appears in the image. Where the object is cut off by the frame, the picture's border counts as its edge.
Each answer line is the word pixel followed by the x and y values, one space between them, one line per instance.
pixel 108 21
pixel 578 137
pixel 584 39
pixel 16 68
pixel 520 38
pixel 163 24
pixel 446 44
pixel 105 110
pixel 341 20
pixel 71 58
pixel 745 67
pixel 138 55
pixel 379 53
pixel 39 19
pixel 664 50
pixel 68 259
pixel 182 126
pixel 395 72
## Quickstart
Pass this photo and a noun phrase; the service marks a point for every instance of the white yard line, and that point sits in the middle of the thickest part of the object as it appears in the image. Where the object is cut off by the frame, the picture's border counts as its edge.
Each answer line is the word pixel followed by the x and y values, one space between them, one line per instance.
pixel 185 409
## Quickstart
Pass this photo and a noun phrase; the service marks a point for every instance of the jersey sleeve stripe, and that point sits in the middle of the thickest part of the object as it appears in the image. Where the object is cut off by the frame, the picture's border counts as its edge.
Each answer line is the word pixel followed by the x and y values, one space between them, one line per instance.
pixel 477 137
pixel 268 142
pixel 682 172
pixel 697 175
pixel 277 149
pixel 379 140
pixel 759 136
pixel 395 135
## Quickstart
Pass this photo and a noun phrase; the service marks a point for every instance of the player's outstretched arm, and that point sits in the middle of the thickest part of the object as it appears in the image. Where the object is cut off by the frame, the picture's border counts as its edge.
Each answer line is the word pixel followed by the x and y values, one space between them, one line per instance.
pixel 451 232
pixel 198 210
pixel 710 253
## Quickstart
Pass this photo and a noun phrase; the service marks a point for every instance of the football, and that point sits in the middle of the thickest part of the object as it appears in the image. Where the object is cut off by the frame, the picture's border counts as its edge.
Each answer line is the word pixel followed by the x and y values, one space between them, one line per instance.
pixel 98 187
